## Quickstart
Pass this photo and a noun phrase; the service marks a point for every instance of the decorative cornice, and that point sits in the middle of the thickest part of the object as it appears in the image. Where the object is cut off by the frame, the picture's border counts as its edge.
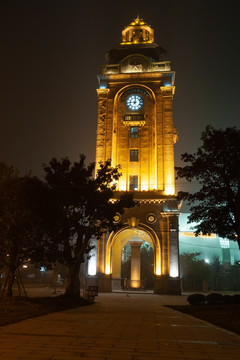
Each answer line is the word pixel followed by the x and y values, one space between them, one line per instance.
pixel 103 91
pixel 168 90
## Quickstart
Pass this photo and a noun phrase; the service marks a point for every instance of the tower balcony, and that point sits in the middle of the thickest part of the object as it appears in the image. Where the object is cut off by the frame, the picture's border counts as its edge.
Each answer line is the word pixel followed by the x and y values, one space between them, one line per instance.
pixel 111 69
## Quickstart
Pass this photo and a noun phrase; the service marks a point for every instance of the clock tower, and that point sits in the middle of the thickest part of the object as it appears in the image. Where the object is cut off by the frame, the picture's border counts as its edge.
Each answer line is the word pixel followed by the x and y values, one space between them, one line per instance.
pixel 135 130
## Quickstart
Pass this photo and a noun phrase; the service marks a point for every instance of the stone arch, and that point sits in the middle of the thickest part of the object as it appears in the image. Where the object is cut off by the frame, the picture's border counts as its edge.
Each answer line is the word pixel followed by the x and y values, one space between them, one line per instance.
pixel 146 180
pixel 125 88
pixel 117 241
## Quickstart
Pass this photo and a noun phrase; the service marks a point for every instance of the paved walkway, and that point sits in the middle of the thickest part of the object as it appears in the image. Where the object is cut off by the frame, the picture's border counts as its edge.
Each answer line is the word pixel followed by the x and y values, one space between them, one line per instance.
pixel 118 327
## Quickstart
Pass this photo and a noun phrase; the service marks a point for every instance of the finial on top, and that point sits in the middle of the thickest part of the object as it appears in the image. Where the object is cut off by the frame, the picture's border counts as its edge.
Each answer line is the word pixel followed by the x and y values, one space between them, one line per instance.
pixel 138 31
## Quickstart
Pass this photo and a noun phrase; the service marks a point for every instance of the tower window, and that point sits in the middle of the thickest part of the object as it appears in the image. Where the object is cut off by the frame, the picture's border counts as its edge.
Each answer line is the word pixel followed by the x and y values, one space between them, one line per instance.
pixel 133 182
pixel 134 155
pixel 133 117
pixel 134 132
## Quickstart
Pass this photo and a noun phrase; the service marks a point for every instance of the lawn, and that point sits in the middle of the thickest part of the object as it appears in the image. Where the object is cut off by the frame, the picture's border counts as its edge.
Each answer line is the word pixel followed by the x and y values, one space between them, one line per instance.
pixel 19 308
pixel 226 316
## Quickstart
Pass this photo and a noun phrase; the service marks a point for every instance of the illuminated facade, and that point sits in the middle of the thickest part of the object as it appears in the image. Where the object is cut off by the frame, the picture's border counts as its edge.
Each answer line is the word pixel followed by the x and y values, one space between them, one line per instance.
pixel 135 129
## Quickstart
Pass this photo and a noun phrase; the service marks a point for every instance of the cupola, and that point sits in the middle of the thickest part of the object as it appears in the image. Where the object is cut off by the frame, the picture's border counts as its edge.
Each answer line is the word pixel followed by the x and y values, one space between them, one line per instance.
pixel 137 32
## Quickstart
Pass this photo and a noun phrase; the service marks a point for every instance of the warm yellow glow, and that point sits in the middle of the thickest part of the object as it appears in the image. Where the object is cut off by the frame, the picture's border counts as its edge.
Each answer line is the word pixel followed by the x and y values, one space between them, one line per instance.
pixel 158 262
pixel 107 270
pixel 108 262
pixel 133 221
pixel 135 284
pixel 158 270
pixel 144 187
pixel 136 42
pixel 210 236
pixel 168 89
pixel 138 21
pixel 137 32
pixel 122 187
pixel 192 234
pixel 169 180
pixel 114 184
pixel 169 190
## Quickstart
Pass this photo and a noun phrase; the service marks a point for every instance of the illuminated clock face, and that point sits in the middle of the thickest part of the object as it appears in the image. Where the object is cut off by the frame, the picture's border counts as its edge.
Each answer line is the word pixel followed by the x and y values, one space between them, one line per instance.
pixel 134 102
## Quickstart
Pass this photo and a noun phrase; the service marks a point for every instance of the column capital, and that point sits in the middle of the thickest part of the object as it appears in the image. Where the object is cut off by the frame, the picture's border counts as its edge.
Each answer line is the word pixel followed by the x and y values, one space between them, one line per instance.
pixel 168 90
pixel 135 243
pixel 170 213
pixel 103 92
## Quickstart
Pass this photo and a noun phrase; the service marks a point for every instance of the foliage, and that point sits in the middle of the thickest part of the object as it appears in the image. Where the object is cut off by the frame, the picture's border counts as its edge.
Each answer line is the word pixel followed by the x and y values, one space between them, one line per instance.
pixel 147 265
pixel 126 269
pixel 84 210
pixel 214 299
pixel 227 299
pixel 126 253
pixel 216 166
pixel 234 277
pixel 226 316
pixel 236 299
pixel 126 262
pixel 7 172
pixel 217 271
pixel 196 299
pixel 191 266
pixel 14 309
pixel 224 277
pixel 25 216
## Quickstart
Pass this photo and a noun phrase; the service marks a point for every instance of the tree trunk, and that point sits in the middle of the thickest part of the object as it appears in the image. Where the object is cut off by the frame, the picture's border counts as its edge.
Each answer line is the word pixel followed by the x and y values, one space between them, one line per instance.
pixel 10 280
pixel 73 281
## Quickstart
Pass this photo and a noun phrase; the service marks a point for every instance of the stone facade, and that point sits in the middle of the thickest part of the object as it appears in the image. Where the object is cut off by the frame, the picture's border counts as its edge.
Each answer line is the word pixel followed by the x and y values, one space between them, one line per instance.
pixel 135 129
pixel 156 134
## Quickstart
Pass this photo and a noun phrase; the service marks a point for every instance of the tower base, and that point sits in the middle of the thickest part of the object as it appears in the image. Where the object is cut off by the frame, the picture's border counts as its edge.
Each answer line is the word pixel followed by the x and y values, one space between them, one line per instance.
pixel 104 283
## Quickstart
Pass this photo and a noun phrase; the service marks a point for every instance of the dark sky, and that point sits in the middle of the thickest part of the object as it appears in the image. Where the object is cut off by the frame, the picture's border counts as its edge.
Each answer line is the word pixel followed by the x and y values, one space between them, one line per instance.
pixel 52 51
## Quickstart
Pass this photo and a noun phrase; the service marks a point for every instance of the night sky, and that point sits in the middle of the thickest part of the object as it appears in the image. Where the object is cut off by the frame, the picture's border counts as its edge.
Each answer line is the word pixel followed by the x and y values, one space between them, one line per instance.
pixel 52 51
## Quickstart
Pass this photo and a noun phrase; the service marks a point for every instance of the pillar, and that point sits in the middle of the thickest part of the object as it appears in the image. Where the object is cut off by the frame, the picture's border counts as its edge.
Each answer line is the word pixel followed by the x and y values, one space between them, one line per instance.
pixel 101 127
pixel 135 263
pixel 168 138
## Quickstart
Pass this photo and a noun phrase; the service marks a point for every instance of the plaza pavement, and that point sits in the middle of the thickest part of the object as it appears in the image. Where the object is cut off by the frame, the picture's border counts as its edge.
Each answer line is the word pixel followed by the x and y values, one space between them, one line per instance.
pixel 118 326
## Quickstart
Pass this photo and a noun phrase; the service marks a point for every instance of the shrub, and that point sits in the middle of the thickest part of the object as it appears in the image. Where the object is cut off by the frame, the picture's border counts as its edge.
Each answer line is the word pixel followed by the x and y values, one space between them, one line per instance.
pixel 196 299
pixel 236 299
pixel 227 299
pixel 214 299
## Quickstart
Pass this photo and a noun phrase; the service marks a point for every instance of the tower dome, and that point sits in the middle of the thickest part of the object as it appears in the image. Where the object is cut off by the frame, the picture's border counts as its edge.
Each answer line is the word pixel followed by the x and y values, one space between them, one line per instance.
pixel 138 32
pixel 137 38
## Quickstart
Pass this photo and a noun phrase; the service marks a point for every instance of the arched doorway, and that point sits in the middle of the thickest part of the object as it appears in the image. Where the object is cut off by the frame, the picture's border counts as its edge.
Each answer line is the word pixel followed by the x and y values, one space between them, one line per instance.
pixel 154 222
pixel 135 237
pixel 146 266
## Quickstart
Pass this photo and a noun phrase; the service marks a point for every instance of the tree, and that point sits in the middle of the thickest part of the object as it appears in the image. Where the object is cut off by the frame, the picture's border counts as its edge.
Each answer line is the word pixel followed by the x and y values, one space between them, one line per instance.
pixel 147 265
pixel 216 271
pixel 216 166
pixel 25 215
pixel 7 172
pixel 193 270
pixel 85 210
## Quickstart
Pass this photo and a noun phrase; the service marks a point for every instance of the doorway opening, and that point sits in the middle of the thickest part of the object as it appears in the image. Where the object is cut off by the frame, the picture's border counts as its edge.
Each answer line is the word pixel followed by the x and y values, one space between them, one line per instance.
pixel 146 266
